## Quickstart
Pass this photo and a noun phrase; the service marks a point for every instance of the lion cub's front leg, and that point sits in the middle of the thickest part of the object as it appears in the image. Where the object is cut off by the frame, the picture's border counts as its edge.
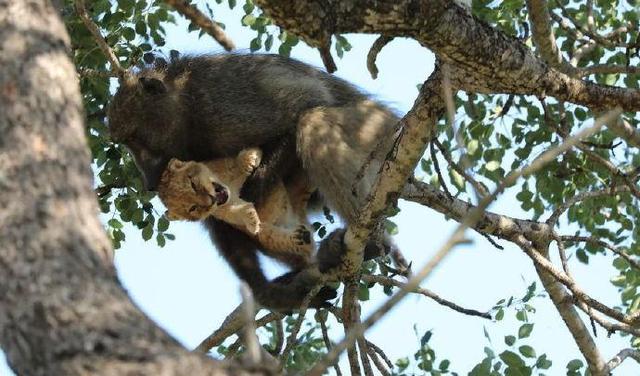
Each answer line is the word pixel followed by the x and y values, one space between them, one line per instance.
pixel 242 214
pixel 292 246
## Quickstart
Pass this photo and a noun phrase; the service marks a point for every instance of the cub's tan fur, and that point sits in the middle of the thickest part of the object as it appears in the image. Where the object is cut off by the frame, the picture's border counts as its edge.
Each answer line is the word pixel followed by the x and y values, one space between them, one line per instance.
pixel 196 190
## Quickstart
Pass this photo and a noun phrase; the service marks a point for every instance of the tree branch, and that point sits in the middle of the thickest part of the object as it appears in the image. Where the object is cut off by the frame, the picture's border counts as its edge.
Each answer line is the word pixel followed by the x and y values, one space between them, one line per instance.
pixel 602 243
pixel 621 356
pixel 198 18
pixel 386 281
pixel 562 300
pixel 491 61
pixel 377 46
pixel 81 10
pixel 543 35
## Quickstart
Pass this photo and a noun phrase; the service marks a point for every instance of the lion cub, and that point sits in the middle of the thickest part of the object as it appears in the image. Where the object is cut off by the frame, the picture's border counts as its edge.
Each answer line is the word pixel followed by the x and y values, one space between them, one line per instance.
pixel 195 190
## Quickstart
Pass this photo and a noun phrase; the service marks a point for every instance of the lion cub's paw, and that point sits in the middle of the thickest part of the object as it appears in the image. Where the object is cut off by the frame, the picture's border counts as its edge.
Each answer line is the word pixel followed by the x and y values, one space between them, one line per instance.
pixel 252 221
pixel 250 159
pixel 302 235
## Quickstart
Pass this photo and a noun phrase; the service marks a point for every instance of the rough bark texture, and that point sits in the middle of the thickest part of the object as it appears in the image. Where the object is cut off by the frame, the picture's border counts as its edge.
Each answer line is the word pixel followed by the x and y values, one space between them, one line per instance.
pixel 490 61
pixel 63 311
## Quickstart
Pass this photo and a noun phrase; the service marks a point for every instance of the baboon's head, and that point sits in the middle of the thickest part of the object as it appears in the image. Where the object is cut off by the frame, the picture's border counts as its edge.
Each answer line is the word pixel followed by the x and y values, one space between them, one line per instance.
pixel 190 191
pixel 145 116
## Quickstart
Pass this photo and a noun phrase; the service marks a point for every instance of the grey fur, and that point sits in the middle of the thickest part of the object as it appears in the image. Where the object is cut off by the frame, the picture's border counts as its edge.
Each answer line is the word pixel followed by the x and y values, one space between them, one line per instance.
pixel 205 107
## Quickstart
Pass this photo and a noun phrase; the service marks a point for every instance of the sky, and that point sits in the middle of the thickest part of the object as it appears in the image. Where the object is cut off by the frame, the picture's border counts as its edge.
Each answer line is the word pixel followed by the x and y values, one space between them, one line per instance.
pixel 188 289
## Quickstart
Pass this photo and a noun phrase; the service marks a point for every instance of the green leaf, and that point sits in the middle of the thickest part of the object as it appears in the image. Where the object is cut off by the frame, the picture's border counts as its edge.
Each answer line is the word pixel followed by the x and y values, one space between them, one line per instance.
pixel 363 292
pixel 543 362
pixel 248 7
pixel 141 27
pixel 128 34
pixel 248 20
pixel 512 359
pixel 444 365
pixel 402 363
pixel 268 43
pixel 163 224
pixel 575 365
pixel 525 330
pixel 500 314
pixel 492 165
pixel 527 351
pixel 115 223
pixel 510 340
pixel 160 240
pixel 255 44
pixel 391 227
pixel 147 232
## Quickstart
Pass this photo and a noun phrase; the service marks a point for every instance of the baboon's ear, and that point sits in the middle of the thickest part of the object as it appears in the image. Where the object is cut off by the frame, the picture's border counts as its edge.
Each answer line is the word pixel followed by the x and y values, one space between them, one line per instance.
pixel 153 85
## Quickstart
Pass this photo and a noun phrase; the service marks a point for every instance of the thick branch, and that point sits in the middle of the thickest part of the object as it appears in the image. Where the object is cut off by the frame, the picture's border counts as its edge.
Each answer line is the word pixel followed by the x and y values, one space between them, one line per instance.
pixel 493 61
pixel 417 129
pixel 63 310
pixel 564 304
pixel 543 35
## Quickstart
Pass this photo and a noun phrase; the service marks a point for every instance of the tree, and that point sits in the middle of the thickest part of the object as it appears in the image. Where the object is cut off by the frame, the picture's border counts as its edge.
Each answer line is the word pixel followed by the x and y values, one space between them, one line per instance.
pixel 558 71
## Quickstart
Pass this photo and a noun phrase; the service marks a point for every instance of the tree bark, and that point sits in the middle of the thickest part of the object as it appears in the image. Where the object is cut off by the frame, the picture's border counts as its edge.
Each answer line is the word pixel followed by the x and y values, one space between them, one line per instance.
pixel 483 59
pixel 63 311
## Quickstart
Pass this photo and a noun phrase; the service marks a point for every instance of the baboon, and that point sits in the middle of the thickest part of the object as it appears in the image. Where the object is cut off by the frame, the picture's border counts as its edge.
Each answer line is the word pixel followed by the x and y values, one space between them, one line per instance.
pixel 201 108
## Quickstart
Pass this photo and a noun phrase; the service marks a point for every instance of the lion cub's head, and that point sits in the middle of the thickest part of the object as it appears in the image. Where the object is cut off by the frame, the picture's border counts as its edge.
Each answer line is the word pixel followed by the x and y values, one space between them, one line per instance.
pixel 190 191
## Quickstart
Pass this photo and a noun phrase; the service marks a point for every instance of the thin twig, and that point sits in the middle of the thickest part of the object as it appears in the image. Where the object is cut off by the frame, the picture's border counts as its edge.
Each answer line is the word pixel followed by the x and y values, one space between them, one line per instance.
pixel 602 243
pixel 327 58
pixel 279 334
pixel 381 354
pixel 231 325
pixel 386 281
pixel 436 166
pixel 94 73
pixel 493 242
pixel 81 10
pixel 232 350
pixel 364 356
pixel 292 339
pixel 610 327
pixel 608 69
pixel 376 47
pixel 563 254
pixel 249 336
pixel 321 318
pixel 621 356
pixel 563 278
pixel 376 361
pixel 199 19
pixel 481 190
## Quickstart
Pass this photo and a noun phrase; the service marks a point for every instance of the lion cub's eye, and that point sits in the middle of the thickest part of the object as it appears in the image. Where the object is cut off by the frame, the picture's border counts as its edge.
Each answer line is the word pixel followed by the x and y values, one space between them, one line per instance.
pixel 193 208
pixel 193 186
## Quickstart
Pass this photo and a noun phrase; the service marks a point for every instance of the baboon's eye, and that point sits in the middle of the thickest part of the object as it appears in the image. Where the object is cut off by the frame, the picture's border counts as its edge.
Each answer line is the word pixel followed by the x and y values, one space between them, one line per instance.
pixel 193 208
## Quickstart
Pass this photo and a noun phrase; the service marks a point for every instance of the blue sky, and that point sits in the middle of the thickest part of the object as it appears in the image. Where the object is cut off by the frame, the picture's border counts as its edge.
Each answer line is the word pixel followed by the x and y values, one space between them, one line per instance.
pixel 188 289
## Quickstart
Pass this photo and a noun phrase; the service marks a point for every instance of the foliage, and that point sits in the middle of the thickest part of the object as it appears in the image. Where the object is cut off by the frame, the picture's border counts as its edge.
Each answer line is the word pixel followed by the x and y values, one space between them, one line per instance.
pixel 492 135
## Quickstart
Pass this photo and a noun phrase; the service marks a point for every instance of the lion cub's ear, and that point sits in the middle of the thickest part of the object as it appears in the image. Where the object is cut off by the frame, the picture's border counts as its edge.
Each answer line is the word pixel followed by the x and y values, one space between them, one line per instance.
pixel 175 163
pixel 171 216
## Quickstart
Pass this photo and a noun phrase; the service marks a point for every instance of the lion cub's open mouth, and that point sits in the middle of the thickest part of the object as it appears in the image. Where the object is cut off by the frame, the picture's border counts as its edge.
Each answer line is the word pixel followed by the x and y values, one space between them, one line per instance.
pixel 221 195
